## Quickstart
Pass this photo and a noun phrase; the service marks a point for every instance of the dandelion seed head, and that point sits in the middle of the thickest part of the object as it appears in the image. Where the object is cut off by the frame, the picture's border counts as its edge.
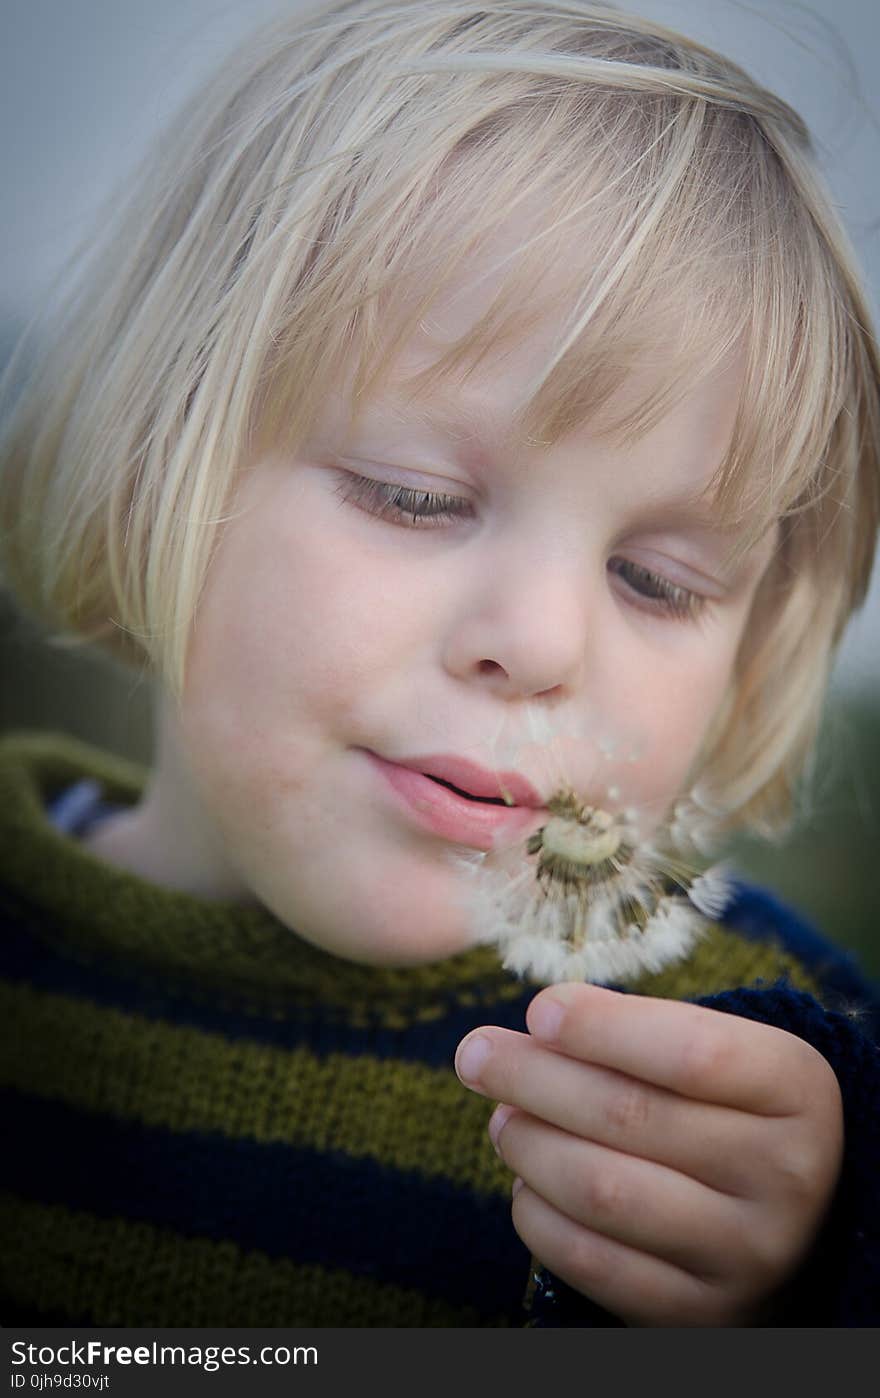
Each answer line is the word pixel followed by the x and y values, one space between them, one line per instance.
pixel 587 896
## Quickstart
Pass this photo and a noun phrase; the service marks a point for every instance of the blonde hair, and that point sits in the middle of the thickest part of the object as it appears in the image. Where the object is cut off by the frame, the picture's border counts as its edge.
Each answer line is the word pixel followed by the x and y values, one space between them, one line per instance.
pixel 359 150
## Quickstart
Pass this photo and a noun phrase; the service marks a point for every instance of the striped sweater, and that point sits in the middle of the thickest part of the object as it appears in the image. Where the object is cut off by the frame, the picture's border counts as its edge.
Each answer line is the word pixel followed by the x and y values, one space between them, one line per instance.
pixel 211 1122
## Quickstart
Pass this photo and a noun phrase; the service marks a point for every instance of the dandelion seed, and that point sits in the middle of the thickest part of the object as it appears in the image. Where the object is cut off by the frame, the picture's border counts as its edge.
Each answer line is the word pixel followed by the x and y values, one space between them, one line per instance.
pixel 711 891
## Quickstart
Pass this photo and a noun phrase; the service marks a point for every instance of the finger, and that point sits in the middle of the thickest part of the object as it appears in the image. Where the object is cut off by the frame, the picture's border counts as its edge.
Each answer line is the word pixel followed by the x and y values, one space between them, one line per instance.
pixel 718 1146
pixel 637 1288
pixel 644 1206
pixel 689 1049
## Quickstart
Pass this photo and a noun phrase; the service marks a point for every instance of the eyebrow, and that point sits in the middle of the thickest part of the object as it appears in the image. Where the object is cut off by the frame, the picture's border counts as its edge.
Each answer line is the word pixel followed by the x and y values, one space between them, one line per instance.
pixel 480 423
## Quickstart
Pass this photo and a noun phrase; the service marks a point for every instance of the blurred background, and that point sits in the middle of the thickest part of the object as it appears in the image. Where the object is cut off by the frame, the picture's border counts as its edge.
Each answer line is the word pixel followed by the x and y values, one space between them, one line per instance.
pixel 83 88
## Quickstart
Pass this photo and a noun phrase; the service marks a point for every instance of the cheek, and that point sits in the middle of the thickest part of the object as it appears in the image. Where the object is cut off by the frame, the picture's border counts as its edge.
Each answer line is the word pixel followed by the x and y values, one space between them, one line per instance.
pixel 286 622
pixel 669 721
pixel 287 654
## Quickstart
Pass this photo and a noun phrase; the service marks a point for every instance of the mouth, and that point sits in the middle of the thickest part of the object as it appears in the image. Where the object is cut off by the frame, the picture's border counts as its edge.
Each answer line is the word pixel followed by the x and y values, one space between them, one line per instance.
pixel 468 795
pixel 442 806
pixel 468 780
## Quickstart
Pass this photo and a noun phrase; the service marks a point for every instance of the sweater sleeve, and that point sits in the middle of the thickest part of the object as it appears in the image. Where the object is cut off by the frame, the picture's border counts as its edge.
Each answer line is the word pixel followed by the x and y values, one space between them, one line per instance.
pixel 838 1285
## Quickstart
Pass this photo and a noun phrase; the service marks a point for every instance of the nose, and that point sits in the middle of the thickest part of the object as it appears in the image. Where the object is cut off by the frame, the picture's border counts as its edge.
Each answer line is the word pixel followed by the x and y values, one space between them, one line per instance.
pixel 523 624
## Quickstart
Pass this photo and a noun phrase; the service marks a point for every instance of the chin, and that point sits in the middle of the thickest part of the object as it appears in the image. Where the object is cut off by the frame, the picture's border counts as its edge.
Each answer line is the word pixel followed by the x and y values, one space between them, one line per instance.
pixel 380 945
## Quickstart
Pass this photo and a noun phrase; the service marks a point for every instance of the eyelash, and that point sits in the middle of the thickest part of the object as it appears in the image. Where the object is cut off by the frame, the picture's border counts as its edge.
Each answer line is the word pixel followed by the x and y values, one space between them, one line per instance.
pixel 677 602
pixel 427 509
pixel 377 498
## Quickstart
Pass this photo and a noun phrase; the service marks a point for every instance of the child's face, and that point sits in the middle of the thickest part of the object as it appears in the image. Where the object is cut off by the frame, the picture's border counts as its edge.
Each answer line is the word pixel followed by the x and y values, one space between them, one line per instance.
pixel 328 634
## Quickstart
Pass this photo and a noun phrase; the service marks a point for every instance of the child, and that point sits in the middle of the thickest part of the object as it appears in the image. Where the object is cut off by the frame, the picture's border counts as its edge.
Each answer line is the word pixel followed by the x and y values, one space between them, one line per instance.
pixel 452 370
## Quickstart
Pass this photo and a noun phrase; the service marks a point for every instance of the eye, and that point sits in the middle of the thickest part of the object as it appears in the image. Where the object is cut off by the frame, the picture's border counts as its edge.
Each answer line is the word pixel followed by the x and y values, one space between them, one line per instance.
pixel 414 509
pixel 663 596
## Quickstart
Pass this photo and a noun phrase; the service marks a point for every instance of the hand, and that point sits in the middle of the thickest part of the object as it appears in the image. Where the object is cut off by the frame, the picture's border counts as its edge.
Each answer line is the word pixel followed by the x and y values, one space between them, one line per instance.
pixel 675 1162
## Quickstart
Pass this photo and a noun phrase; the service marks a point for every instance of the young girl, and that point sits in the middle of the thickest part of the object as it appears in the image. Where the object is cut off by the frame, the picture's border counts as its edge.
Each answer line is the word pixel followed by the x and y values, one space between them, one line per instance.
pixel 474 409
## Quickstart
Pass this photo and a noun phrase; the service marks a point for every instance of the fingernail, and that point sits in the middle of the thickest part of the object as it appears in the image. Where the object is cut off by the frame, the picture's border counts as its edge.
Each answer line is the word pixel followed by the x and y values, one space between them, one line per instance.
pixel 496 1122
pixel 472 1057
pixel 516 1187
pixel 545 1017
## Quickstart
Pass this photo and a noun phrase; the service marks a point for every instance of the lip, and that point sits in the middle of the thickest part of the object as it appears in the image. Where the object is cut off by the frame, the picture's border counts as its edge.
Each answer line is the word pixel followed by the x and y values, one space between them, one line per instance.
pixel 454 817
pixel 460 771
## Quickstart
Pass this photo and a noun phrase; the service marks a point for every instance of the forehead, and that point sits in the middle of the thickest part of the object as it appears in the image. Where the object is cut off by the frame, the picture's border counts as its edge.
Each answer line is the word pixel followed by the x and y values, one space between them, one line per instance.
pixel 482 412
pixel 520 323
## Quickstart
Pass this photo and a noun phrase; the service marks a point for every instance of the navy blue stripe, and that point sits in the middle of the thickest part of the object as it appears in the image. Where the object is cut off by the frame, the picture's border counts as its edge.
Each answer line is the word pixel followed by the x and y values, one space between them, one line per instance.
pixel 760 916
pixel 28 958
pixel 392 1225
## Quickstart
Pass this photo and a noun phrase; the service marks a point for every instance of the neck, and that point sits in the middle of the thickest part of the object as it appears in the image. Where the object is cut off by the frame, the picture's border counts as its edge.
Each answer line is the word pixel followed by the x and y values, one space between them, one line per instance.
pixel 169 838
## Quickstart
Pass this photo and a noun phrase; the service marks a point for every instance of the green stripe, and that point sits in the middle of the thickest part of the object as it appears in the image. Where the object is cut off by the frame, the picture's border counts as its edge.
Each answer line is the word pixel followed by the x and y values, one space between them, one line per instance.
pixel 120 1273
pixel 401 1114
pixel 724 960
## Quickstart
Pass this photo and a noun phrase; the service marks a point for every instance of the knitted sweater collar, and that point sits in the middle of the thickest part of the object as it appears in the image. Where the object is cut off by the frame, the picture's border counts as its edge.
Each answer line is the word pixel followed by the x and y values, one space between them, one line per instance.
pixel 98 912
